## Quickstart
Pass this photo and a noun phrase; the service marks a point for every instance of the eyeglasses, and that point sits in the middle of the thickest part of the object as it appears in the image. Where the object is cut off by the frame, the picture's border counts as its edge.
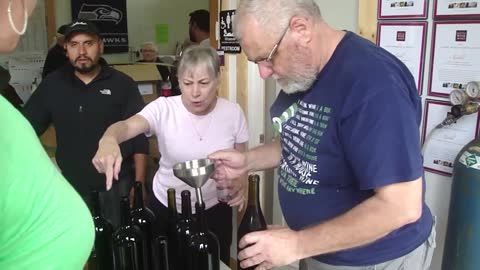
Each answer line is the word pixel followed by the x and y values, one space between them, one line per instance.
pixel 268 59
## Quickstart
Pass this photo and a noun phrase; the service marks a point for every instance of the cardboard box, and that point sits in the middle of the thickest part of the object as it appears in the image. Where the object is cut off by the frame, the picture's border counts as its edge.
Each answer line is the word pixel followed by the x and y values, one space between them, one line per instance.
pixel 146 75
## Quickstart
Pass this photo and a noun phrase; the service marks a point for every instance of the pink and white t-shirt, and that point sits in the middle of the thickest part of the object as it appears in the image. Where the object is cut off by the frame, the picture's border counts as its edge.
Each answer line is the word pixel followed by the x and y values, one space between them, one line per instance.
pixel 185 136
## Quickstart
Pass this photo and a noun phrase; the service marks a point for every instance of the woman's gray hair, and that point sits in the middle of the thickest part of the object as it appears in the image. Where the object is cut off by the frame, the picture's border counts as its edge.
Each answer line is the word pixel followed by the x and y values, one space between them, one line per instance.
pixel 274 15
pixel 150 43
pixel 198 55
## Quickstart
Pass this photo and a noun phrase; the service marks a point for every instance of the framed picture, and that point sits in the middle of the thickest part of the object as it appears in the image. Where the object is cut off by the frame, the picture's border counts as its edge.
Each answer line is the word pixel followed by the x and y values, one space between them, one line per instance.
pixel 405 40
pixel 397 9
pixel 456 9
pixel 442 145
pixel 454 57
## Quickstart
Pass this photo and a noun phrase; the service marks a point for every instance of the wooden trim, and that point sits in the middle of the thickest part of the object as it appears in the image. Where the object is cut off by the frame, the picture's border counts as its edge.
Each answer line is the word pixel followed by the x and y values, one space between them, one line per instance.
pixel 213 9
pixel 223 87
pixel 367 19
pixel 242 82
pixel 50 20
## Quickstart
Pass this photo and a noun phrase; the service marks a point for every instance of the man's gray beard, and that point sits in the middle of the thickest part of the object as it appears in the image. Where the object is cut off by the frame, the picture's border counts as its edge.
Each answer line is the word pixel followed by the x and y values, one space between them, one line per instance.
pixel 301 82
pixel 303 75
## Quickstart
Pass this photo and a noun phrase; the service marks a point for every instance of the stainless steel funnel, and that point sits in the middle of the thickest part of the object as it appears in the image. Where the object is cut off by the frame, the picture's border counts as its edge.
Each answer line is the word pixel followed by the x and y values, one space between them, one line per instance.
pixel 195 173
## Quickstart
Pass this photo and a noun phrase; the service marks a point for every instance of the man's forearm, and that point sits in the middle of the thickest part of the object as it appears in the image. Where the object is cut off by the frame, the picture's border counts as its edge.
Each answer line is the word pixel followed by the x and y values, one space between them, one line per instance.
pixel 264 157
pixel 363 224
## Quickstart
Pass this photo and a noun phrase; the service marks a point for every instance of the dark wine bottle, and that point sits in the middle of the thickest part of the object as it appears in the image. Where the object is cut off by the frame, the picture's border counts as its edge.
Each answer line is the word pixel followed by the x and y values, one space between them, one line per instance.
pixel 143 218
pixel 160 247
pixel 253 219
pixel 128 241
pixel 172 231
pixel 185 231
pixel 102 253
pixel 204 245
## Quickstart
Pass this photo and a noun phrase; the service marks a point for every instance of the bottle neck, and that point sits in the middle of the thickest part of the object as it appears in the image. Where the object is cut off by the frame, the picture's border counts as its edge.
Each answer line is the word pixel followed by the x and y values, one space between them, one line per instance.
pixel 202 221
pixel 253 191
pixel 172 205
pixel 138 198
pixel 125 211
pixel 186 205
pixel 95 207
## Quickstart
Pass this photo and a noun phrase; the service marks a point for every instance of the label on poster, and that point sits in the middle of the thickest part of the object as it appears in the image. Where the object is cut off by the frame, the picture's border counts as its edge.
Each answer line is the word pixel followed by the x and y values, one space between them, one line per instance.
pixel 228 42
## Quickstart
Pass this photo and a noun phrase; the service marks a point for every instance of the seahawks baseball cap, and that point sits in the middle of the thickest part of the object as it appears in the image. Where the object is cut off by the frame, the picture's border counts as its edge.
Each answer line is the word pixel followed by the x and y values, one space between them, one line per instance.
pixel 81 26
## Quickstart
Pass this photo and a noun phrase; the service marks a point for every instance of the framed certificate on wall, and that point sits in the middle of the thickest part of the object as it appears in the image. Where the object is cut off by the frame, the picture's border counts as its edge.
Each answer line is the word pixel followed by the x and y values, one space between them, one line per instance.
pixel 442 145
pixel 456 9
pixel 397 9
pixel 455 56
pixel 405 40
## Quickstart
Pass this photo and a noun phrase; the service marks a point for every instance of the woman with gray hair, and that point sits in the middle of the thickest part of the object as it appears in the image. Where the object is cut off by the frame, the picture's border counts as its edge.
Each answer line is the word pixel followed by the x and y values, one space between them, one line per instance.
pixel 189 126
pixel 149 52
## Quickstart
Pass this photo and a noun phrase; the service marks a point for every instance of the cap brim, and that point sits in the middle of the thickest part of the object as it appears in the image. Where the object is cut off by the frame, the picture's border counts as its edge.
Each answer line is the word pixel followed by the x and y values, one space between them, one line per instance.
pixel 68 35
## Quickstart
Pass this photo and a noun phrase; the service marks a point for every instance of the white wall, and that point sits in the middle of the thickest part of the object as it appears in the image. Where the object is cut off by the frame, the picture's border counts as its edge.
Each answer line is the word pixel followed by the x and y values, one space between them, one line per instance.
pixel 143 15
pixel 340 14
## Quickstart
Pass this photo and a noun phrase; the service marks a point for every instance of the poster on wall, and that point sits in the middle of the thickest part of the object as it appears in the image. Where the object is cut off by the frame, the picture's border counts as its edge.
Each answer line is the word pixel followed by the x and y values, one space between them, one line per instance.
pixel 442 145
pixel 454 57
pixel 456 9
pixel 228 41
pixel 110 16
pixel 407 42
pixel 26 73
pixel 396 9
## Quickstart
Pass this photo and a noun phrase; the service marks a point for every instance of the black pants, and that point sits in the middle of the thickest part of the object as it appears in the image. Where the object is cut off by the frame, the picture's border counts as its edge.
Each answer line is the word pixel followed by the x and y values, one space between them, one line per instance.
pixel 219 220
pixel 110 200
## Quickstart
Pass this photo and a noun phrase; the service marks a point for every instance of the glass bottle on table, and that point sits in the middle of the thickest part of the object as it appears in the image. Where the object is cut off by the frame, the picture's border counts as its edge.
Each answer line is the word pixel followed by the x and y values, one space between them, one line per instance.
pixel 253 219
pixel 143 218
pixel 172 231
pixel 204 245
pixel 185 230
pixel 102 253
pixel 160 247
pixel 128 241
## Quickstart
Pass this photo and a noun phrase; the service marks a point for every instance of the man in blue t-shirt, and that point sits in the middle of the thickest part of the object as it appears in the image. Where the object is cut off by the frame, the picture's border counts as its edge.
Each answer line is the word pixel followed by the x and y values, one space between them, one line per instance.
pixel 351 180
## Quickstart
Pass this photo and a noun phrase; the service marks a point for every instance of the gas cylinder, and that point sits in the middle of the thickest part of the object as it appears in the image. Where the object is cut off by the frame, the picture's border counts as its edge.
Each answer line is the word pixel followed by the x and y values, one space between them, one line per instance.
pixel 462 244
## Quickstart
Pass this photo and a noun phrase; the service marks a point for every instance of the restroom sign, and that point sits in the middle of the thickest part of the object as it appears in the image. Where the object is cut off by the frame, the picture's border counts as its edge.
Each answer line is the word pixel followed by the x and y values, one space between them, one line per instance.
pixel 228 42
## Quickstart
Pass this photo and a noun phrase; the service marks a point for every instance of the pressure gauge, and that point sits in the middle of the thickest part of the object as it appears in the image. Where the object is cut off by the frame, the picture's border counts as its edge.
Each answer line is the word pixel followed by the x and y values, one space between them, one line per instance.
pixel 473 89
pixel 458 97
